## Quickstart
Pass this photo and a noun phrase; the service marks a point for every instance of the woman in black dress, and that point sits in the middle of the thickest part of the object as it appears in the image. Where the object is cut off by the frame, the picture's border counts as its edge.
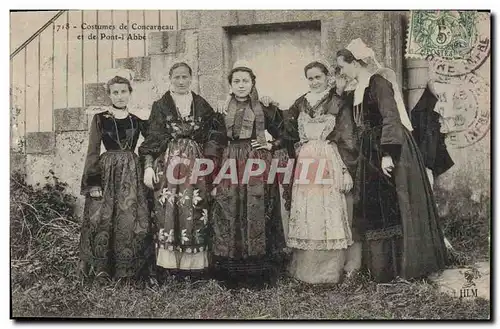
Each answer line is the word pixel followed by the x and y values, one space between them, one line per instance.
pixel 395 213
pixel 248 235
pixel 116 236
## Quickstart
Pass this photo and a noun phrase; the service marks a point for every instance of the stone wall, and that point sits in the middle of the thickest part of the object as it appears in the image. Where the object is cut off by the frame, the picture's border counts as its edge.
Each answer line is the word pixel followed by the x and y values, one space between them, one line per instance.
pixel 62 151
pixel 466 110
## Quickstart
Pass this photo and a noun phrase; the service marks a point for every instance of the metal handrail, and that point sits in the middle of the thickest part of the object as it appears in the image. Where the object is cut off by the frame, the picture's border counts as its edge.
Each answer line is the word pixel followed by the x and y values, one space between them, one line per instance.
pixel 37 33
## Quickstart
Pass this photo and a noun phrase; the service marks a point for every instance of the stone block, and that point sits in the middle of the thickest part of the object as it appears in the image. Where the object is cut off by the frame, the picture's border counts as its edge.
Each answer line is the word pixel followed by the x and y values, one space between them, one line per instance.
pixel 287 16
pixel 17 162
pixel 69 162
pixel 38 166
pixel 298 15
pixel 141 66
pixel 468 182
pixel 343 26
pixel 96 95
pixel 161 63
pixel 467 283
pixel 70 119
pixel 142 99
pixel 211 50
pixel 40 143
pixel 190 19
pixel 246 17
pixel 213 88
pixel 322 14
pixel 167 42
pixel 70 157
pixel 271 16
pixel 218 18
pixel 251 17
pixel 328 40
pixel 417 73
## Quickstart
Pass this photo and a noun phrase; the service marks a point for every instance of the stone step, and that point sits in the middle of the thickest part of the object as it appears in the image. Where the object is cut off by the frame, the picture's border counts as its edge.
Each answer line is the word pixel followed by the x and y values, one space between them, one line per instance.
pixel 143 95
pixel 95 93
pixel 167 42
pixel 141 66
pixel 465 282
pixel 42 142
pixel 70 119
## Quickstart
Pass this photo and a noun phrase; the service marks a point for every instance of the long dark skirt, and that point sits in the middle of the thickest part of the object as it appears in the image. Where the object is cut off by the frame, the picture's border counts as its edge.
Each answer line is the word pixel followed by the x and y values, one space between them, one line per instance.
pixel 181 211
pixel 248 238
pixel 397 217
pixel 116 233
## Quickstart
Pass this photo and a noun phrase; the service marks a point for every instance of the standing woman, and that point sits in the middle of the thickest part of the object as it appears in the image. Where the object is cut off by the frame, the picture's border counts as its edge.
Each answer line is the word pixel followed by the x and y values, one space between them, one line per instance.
pixel 247 228
pixel 182 126
pixel 115 236
pixel 320 233
pixel 396 213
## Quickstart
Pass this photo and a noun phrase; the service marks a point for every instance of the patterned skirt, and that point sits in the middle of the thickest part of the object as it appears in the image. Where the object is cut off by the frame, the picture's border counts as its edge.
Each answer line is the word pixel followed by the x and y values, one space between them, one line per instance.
pixel 248 237
pixel 116 233
pixel 181 210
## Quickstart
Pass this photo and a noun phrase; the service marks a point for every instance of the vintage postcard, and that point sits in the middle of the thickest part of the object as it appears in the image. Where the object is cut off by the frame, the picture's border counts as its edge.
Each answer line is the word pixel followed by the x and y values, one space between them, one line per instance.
pixel 250 164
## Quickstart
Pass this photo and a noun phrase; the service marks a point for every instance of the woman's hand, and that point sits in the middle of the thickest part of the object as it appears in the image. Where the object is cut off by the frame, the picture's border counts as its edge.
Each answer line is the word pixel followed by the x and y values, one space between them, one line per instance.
pixel 340 83
pixel 150 177
pixel 266 101
pixel 221 108
pixel 95 192
pixel 347 182
pixel 387 165
pixel 259 146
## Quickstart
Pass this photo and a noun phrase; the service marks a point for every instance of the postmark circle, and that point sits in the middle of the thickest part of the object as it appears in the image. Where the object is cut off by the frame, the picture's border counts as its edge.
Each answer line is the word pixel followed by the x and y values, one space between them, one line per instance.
pixel 469 119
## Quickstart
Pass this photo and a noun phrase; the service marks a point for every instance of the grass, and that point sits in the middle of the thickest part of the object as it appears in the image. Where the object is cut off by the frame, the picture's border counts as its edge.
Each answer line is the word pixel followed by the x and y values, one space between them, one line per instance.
pixel 467 225
pixel 44 249
pixel 208 300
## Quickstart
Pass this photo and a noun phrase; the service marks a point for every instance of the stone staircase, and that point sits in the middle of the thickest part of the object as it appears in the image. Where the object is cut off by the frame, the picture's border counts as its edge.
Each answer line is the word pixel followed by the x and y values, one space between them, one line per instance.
pixel 64 149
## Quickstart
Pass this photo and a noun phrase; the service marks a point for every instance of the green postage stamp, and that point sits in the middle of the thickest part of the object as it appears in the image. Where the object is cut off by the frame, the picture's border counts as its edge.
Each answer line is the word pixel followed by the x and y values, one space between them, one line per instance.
pixel 450 35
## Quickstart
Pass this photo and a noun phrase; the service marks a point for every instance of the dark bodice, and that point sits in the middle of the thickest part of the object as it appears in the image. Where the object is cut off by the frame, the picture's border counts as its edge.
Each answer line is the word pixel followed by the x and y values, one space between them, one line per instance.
pixel 120 134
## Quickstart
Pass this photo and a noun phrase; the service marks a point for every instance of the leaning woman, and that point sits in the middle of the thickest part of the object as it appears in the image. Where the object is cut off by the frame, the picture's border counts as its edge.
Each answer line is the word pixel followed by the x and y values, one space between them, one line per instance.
pixel 183 128
pixel 116 239
pixel 247 229
pixel 396 213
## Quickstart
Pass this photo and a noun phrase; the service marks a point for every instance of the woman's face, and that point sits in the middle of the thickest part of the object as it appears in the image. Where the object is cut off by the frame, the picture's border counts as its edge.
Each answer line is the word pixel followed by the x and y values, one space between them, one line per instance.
pixel 180 80
pixel 348 69
pixel 241 84
pixel 317 79
pixel 119 94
